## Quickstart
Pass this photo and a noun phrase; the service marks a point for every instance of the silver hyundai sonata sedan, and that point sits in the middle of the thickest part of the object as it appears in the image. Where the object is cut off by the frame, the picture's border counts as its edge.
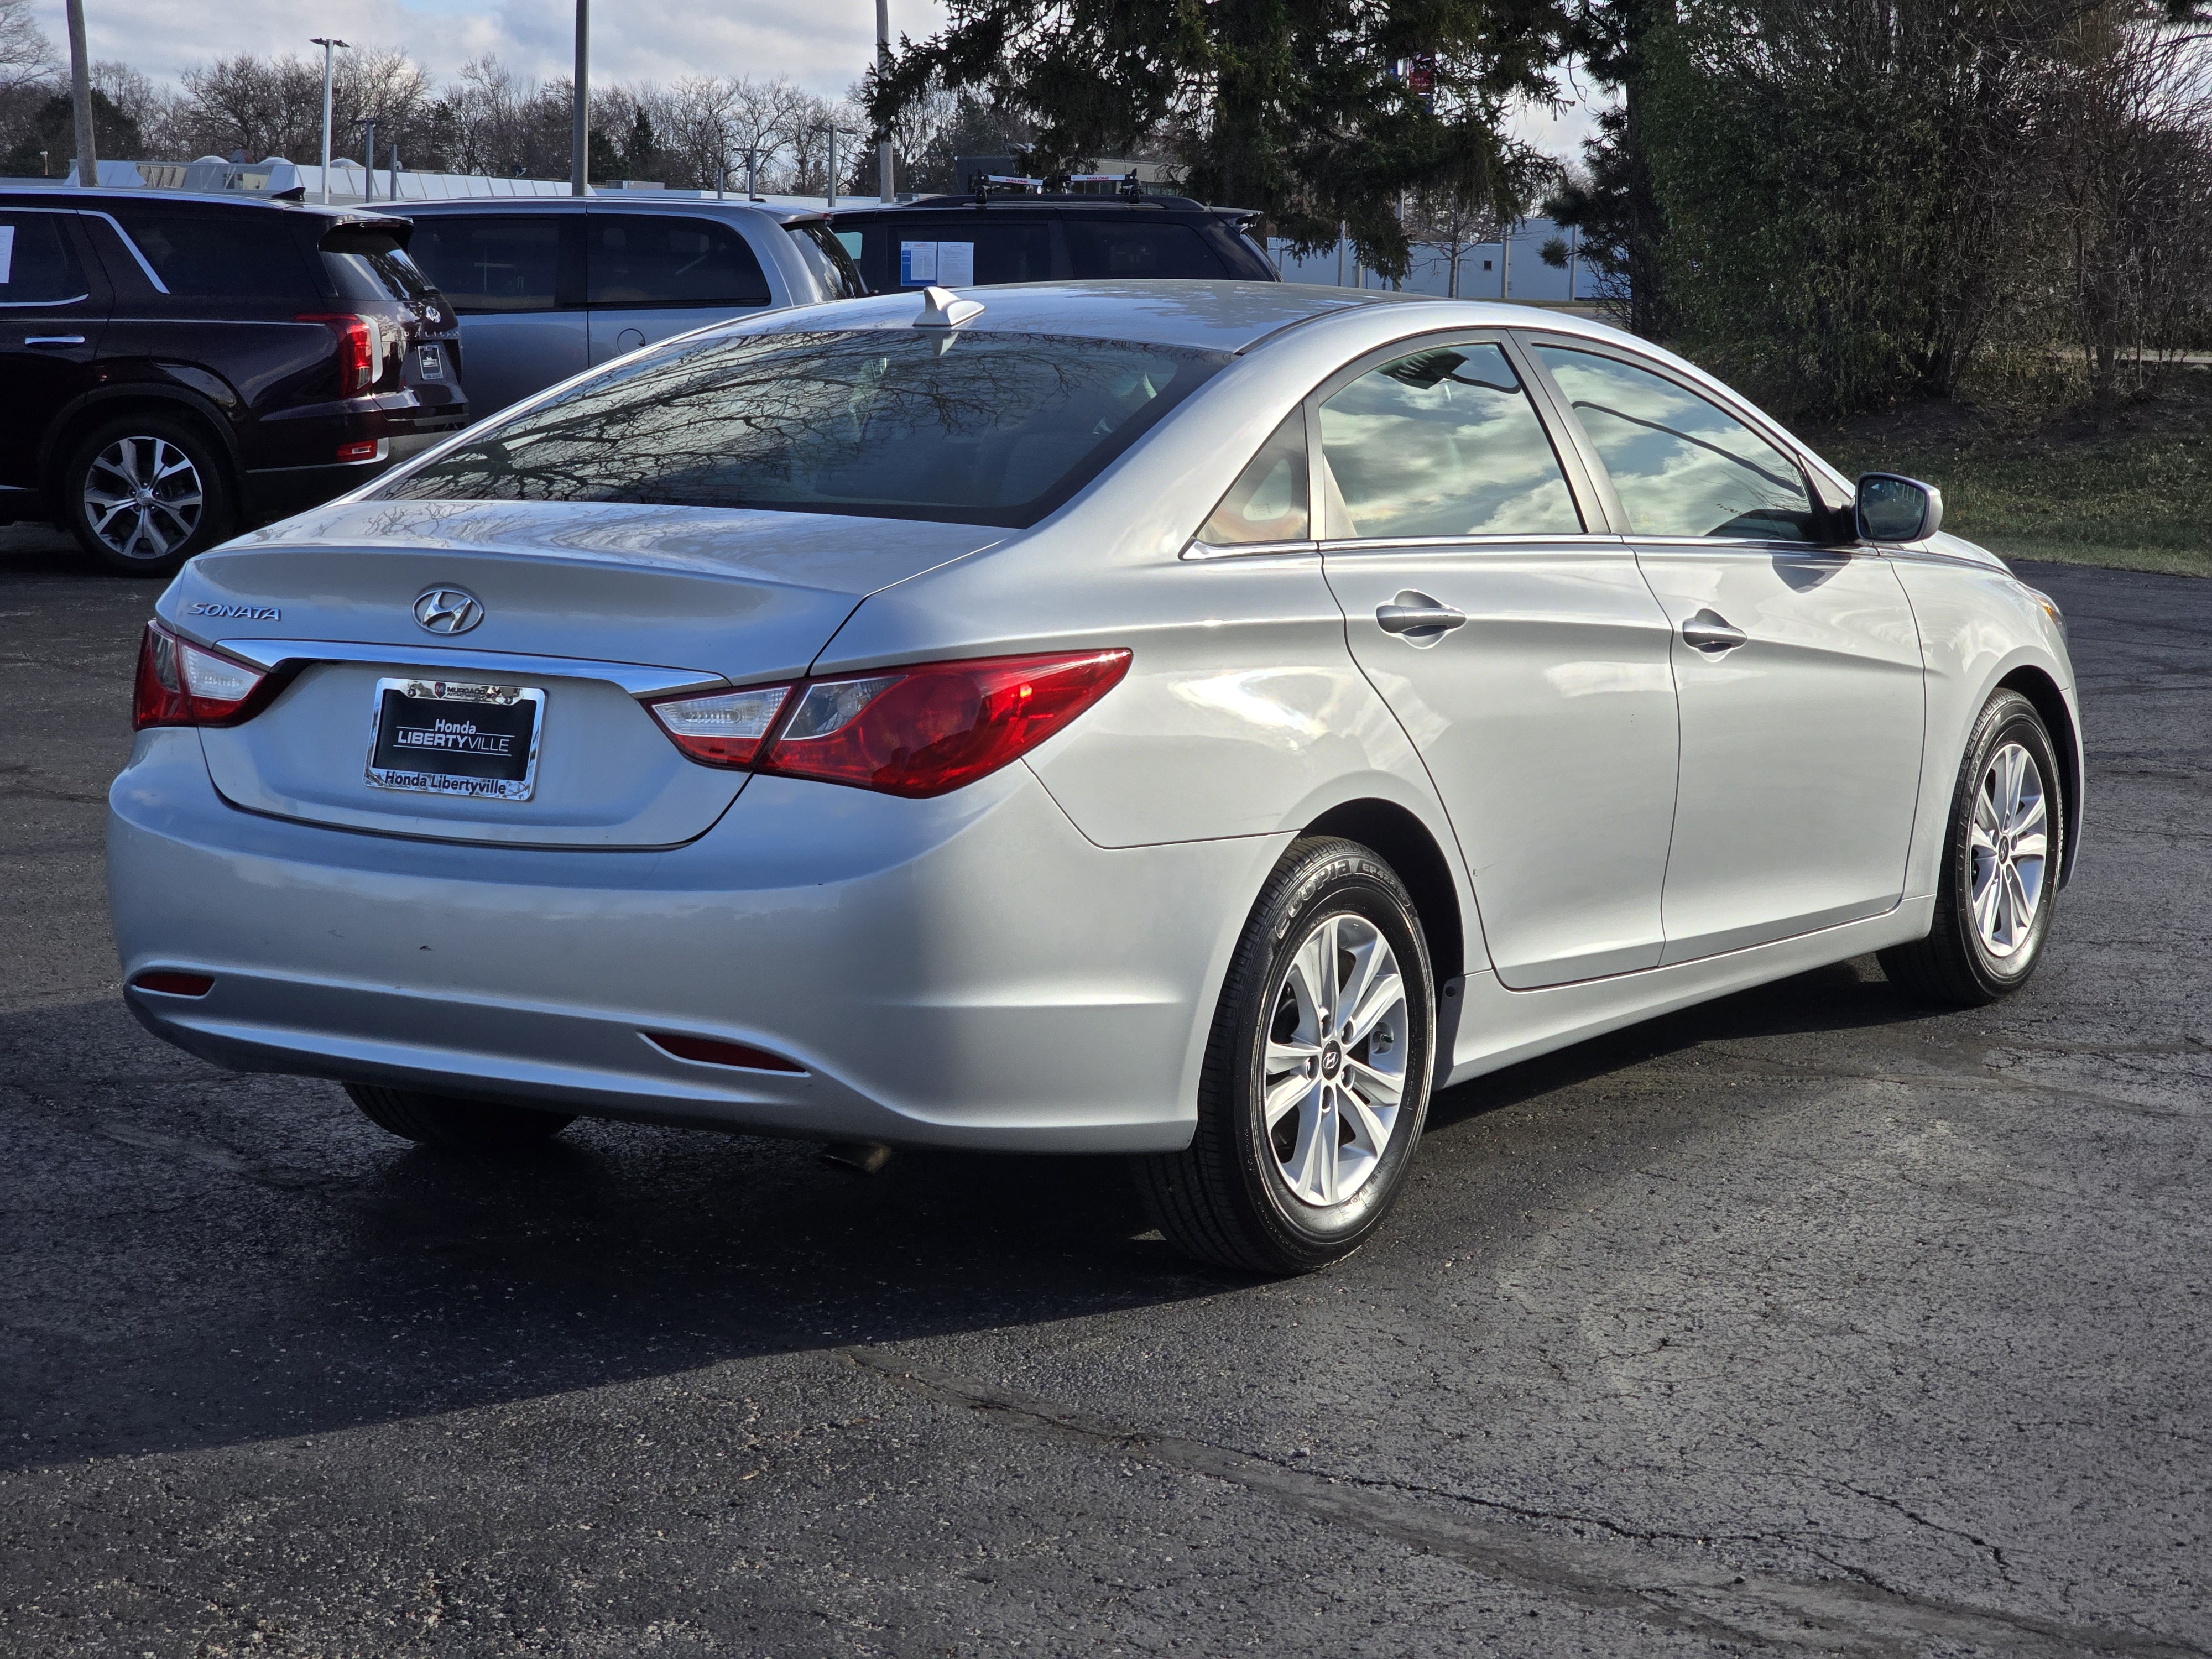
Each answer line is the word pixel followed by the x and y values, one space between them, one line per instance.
pixel 1191 722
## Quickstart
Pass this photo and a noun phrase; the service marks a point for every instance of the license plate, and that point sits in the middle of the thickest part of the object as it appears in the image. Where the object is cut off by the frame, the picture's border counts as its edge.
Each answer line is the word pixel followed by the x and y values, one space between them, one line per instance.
pixel 450 738
pixel 433 362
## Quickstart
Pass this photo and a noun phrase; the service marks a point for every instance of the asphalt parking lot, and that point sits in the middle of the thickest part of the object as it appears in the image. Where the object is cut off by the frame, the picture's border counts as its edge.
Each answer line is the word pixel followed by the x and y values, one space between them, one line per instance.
pixel 1805 1322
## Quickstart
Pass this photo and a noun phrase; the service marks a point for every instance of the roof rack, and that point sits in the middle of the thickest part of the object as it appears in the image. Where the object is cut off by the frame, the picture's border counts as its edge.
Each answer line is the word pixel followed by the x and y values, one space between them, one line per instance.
pixel 982 185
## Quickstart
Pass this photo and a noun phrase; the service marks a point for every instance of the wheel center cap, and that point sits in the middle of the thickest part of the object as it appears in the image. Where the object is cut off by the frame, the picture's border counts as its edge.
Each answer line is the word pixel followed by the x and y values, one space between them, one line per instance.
pixel 1331 1059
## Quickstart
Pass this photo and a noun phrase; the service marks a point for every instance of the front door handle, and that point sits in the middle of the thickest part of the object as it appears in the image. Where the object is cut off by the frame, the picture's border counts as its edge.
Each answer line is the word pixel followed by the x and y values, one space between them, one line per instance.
pixel 1711 633
pixel 1417 618
pixel 53 339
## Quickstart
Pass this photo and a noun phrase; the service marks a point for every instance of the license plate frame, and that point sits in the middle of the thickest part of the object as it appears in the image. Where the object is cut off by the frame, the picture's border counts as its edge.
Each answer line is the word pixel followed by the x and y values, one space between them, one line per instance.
pixel 482 732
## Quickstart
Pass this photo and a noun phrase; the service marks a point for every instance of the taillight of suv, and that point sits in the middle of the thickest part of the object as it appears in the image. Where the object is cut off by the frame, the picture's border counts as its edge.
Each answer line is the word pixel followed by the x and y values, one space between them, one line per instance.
pixel 180 683
pixel 361 347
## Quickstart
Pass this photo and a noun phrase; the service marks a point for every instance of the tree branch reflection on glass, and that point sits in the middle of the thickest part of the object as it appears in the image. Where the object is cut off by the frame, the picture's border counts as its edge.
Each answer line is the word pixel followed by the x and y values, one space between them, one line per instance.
pixel 975 428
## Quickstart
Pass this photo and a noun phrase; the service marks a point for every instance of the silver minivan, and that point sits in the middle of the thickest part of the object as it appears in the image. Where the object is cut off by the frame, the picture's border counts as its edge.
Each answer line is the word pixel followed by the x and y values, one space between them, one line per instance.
pixel 546 287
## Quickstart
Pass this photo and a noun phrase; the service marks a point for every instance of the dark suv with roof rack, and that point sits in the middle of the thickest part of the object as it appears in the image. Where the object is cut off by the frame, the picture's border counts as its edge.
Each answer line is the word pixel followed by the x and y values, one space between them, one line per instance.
pixel 179 367
pixel 962 241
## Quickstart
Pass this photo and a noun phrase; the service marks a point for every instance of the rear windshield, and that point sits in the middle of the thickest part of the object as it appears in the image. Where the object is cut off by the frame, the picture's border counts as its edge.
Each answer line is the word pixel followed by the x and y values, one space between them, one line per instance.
pixel 914 423
pixel 364 263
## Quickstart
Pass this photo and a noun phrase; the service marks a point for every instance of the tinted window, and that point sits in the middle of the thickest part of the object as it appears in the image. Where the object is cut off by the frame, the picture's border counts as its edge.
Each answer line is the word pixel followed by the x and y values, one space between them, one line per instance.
pixel 36 264
pixel 828 261
pixel 220 255
pixel 962 252
pixel 1268 502
pixel 363 263
pixel 649 259
pixel 1680 465
pixel 1442 443
pixel 502 262
pixel 975 428
pixel 1116 248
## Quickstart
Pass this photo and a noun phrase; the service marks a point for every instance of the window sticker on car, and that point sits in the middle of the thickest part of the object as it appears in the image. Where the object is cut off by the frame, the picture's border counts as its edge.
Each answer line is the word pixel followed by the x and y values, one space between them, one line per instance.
pixel 7 250
pixel 951 263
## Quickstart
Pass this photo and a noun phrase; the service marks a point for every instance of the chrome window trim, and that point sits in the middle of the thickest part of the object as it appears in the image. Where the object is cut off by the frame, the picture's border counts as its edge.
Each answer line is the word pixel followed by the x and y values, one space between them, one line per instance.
pixel 1588 539
pixel 1199 549
pixel 639 680
pixel 160 287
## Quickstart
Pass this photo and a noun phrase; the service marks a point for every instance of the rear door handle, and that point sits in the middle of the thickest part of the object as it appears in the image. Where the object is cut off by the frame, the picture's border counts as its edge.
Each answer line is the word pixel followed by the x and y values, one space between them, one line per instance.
pixel 1417 618
pixel 53 339
pixel 1711 633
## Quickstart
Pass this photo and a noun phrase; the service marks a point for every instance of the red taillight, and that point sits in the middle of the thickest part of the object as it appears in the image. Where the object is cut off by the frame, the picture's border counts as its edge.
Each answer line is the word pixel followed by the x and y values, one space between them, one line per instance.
pixel 714 1051
pixel 927 730
pixel 361 347
pixel 180 683
pixel 725 728
pixel 171 984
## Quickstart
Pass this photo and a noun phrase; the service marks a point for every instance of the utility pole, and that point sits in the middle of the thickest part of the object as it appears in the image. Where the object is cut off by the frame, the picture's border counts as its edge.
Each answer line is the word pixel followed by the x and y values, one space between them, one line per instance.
pixel 328 43
pixel 579 167
pixel 833 166
pixel 88 158
pixel 884 189
pixel 1504 260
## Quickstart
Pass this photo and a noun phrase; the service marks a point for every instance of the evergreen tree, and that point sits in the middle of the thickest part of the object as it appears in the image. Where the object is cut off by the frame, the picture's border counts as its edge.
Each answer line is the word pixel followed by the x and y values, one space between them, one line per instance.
pixel 1317 112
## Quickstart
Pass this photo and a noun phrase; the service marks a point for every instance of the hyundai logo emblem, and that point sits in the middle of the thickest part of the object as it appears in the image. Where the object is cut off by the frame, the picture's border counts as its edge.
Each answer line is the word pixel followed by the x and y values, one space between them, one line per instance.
pixel 447 610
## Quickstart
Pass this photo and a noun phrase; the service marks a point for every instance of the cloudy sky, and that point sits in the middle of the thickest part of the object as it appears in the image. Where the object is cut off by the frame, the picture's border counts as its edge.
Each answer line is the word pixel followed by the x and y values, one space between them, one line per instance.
pixel 822 46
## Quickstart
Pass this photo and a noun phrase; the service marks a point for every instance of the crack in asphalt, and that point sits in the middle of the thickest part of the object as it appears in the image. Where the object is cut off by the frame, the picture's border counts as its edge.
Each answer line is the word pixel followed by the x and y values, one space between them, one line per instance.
pixel 1858 1614
pixel 213 1157
pixel 14 781
pixel 1769 1066
pixel 1997 1552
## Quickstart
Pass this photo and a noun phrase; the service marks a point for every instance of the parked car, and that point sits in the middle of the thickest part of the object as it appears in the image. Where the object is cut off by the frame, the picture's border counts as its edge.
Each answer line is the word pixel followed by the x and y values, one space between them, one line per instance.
pixel 1186 721
pixel 180 366
pixel 548 286
pixel 963 241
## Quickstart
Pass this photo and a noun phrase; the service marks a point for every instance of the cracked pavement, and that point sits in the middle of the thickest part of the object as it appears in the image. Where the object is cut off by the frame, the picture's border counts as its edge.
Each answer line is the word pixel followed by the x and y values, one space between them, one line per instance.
pixel 1805 1322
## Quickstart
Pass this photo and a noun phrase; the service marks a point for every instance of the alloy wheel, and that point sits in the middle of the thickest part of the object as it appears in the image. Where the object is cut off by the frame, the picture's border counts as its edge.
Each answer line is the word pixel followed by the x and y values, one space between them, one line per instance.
pixel 1335 1069
pixel 2010 841
pixel 143 497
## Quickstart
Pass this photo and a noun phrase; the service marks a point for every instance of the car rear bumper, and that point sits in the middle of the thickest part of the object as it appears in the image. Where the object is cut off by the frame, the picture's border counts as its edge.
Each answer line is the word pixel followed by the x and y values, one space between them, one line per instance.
pixel 969 971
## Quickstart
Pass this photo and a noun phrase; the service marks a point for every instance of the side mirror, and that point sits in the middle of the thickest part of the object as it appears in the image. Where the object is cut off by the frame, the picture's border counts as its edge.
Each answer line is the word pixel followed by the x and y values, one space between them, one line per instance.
pixel 1896 509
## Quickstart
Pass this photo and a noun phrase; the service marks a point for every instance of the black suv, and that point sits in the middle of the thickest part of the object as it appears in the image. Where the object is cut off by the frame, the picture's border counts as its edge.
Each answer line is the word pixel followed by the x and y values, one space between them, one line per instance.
pixel 963 241
pixel 178 367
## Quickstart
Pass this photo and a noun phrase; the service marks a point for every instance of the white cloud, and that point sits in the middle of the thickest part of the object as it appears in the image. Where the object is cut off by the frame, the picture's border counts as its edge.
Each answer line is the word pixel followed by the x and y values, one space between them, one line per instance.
pixel 823 48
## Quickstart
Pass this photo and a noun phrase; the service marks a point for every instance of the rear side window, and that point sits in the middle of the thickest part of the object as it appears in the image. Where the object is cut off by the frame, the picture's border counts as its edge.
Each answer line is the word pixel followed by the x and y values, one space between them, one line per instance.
pixel 221 256
pixel 1111 248
pixel 827 260
pixel 1680 465
pixel 501 262
pixel 654 260
pixel 1268 502
pixel 36 264
pixel 364 263
pixel 1442 443
pixel 962 252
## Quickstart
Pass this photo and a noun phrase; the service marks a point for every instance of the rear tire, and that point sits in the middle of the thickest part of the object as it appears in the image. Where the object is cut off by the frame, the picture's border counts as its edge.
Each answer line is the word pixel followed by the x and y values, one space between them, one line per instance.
pixel 2001 853
pixel 457 1125
pixel 144 493
pixel 1316 1076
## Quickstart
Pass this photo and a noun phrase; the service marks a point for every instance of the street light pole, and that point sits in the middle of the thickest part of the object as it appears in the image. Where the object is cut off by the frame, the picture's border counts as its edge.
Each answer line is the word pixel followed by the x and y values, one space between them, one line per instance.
pixel 833 166
pixel 328 43
pixel 88 158
pixel 884 188
pixel 580 165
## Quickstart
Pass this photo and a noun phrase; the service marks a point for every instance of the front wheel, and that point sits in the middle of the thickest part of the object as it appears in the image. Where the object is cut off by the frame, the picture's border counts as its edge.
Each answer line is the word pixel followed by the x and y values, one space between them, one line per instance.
pixel 2001 861
pixel 1316 1076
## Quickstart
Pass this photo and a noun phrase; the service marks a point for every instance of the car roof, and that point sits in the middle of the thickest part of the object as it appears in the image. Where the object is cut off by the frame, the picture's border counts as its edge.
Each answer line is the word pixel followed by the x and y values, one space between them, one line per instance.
pixel 648 200
pixel 1195 315
pixel 357 215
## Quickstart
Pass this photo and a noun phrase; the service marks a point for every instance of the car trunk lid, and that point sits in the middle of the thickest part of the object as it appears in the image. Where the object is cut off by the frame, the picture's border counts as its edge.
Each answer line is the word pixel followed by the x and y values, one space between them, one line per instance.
pixel 584 609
